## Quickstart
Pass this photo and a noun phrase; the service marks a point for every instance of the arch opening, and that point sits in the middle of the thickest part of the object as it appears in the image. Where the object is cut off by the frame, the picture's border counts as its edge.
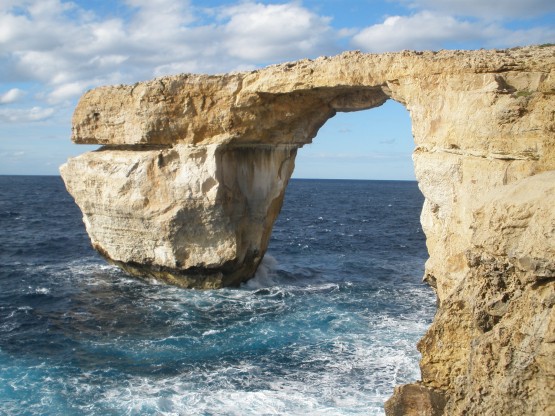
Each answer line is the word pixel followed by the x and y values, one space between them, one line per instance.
pixel 373 144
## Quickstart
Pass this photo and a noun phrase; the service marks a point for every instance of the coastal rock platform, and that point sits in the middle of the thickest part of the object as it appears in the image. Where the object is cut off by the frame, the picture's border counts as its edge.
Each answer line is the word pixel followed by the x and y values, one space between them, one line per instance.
pixel 193 168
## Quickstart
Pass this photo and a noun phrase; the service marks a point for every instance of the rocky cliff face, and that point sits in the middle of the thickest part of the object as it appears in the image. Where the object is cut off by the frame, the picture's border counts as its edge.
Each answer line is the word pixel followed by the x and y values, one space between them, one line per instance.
pixel 193 170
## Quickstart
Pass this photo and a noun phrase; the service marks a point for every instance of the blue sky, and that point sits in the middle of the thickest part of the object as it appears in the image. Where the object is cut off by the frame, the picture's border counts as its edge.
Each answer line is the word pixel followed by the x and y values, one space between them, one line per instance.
pixel 51 51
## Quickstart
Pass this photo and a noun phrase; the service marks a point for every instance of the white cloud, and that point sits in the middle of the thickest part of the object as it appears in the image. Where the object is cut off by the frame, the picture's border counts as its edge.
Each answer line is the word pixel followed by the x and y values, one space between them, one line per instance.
pixel 11 96
pixel 68 49
pixel 489 10
pixel 533 36
pixel 48 8
pixel 423 30
pixel 159 19
pixel 427 30
pixel 42 26
pixel 257 32
pixel 8 4
pixel 19 115
pixel 66 91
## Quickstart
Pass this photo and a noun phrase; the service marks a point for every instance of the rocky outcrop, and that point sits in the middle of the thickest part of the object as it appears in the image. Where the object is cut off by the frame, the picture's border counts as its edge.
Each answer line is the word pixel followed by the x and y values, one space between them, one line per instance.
pixel 493 338
pixel 194 216
pixel 193 170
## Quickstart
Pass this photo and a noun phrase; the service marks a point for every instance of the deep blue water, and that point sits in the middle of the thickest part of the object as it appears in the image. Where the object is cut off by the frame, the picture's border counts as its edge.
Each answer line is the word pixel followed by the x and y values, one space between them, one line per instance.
pixel 328 326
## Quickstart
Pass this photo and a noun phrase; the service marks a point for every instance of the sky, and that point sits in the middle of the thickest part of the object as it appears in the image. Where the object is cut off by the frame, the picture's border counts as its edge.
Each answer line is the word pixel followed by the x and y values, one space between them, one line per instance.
pixel 52 51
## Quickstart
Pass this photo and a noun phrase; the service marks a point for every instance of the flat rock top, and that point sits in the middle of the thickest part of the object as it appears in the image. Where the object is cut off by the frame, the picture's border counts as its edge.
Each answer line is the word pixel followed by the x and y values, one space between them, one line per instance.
pixel 194 109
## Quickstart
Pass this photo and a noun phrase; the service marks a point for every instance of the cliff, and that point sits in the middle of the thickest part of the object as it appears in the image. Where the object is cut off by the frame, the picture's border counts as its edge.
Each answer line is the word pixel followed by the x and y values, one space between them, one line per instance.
pixel 193 169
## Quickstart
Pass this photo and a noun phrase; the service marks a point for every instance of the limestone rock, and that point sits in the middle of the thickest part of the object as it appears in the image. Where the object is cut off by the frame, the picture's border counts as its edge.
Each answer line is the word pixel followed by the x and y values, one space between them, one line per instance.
pixel 193 168
pixel 500 321
pixel 191 216
pixel 415 400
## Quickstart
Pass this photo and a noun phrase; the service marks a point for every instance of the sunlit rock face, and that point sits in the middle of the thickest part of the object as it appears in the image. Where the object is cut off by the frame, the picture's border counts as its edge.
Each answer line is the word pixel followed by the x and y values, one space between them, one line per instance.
pixel 193 169
pixel 194 216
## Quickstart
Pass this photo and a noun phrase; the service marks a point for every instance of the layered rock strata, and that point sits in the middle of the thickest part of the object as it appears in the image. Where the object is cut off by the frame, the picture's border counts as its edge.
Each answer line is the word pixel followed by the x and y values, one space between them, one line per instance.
pixel 193 169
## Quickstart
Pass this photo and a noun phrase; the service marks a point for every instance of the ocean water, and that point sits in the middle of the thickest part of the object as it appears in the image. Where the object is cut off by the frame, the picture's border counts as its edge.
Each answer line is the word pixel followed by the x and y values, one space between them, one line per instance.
pixel 327 327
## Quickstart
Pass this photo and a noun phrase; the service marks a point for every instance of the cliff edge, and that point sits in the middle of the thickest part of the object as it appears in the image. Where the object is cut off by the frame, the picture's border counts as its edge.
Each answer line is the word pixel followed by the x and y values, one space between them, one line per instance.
pixel 192 171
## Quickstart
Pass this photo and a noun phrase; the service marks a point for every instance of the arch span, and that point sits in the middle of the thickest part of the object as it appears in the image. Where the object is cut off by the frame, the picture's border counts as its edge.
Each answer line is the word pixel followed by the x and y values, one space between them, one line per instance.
pixel 193 170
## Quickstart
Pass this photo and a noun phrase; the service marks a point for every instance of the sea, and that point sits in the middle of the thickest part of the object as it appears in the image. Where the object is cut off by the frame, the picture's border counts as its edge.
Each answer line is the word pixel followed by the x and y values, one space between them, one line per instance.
pixel 328 326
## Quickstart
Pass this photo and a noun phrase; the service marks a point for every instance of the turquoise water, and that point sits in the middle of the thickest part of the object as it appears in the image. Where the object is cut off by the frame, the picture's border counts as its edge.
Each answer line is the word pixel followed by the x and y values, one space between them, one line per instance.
pixel 328 326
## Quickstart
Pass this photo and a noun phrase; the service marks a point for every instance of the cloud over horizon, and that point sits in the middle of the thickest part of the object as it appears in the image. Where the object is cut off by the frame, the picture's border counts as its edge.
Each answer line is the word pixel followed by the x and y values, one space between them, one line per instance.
pixel 16 115
pixel 448 24
pixel 488 10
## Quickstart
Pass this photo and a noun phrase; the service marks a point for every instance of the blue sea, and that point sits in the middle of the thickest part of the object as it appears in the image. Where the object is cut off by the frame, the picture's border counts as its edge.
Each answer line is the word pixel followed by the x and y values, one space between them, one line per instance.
pixel 328 326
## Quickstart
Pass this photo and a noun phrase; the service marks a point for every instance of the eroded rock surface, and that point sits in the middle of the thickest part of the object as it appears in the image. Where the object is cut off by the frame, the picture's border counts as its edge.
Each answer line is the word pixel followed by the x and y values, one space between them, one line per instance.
pixel 193 169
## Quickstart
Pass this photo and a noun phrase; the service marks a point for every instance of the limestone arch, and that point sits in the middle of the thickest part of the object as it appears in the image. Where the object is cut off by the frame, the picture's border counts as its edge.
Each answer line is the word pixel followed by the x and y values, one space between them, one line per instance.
pixel 222 149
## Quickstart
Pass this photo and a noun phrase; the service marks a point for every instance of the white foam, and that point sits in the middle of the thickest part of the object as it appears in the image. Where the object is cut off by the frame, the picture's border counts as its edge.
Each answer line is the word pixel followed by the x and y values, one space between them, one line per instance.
pixel 265 274
pixel 346 370
pixel 178 396
pixel 212 332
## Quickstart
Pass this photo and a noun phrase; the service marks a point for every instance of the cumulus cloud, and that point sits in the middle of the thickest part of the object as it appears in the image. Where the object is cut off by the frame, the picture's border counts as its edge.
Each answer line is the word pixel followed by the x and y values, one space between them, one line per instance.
pixel 433 30
pixel 489 10
pixel 66 91
pixel 11 115
pixel 257 32
pixel 423 30
pixel 69 49
pixel 11 96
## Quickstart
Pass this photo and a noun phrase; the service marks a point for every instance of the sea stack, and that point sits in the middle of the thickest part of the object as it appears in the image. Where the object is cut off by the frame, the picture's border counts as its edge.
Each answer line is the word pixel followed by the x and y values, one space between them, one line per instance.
pixel 193 168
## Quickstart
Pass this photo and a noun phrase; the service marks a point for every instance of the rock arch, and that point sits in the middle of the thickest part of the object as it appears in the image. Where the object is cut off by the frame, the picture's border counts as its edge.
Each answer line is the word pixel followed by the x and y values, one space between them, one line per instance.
pixel 193 169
